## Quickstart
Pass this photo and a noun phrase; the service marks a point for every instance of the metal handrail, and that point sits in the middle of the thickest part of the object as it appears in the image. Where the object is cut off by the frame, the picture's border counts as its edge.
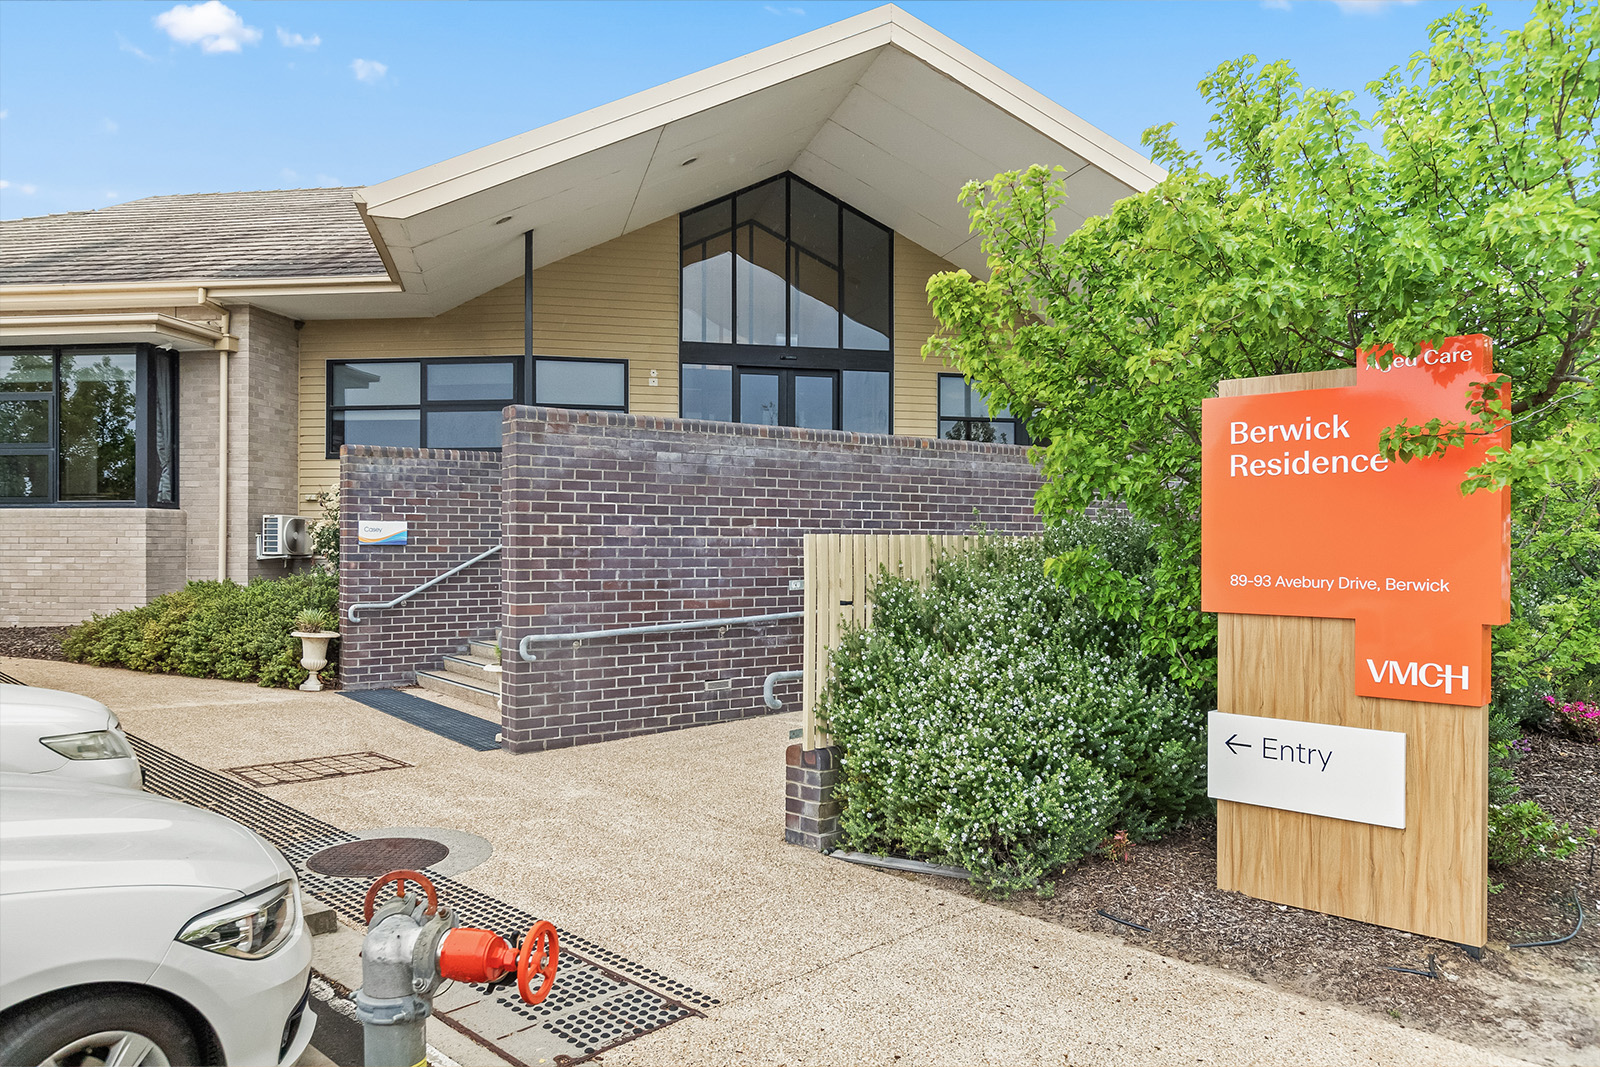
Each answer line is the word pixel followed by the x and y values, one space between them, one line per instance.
pixel 429 584
pixel 658 628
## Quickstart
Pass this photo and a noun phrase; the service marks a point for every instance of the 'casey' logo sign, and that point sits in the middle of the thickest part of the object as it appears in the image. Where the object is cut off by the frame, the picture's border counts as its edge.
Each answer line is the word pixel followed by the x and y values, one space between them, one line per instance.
pixel 1301 516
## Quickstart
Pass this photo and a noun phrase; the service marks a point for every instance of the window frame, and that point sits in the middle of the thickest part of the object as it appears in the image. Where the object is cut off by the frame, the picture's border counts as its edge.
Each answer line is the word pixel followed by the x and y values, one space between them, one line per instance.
pixel 533 391
pixel 1019 427
pixel 523 392
pixel 146 458
pixel 790 357
pixel 423 406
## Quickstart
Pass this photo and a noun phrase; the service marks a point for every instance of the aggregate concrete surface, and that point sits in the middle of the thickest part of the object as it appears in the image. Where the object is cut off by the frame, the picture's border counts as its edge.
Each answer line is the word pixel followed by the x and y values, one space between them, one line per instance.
pixel 669 850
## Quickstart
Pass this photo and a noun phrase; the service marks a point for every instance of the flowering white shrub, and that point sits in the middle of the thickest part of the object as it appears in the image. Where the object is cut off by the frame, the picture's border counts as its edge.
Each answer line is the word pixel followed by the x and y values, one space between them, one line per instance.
pixel 992 720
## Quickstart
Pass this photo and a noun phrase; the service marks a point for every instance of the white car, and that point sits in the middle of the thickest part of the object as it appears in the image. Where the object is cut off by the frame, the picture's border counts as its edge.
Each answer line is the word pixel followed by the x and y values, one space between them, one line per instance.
pixel 47 731
pixel 139 930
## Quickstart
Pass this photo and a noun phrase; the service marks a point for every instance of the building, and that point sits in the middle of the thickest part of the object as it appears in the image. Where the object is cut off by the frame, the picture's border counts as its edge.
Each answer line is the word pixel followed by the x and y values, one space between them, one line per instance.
pixel 749 243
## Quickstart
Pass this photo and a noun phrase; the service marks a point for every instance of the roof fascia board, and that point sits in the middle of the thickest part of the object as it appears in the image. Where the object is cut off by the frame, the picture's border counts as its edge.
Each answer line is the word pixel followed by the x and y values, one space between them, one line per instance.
pixel 168 330
pixel 184 293
pixel 484 168
pixel 377 238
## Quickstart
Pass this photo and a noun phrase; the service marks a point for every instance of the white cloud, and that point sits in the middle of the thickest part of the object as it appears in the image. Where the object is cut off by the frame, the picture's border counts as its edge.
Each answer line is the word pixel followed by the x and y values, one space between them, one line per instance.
pixel 4 113
pixel 295 40
pixel 1275 5
pixel 128 46
pixel 25 189
pixel 368 70
pixel 772 10
pixel 108 126
pixel 213 25
pixel 112 194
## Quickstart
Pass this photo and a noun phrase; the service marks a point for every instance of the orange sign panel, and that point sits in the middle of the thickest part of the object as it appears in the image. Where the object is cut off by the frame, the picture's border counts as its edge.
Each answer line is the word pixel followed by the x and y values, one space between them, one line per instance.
pixel 1301 515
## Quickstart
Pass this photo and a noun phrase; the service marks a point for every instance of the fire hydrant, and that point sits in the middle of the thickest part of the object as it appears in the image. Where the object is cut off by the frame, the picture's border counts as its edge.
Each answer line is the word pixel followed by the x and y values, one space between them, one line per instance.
pixel 413 946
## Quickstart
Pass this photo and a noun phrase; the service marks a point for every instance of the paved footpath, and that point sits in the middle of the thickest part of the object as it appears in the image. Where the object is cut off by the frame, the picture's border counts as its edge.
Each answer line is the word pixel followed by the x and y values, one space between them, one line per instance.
pixel 669 849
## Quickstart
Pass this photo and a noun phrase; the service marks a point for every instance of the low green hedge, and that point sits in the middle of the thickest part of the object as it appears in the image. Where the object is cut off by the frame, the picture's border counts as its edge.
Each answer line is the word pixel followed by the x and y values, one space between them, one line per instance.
pixel 213 630
pixel 992 720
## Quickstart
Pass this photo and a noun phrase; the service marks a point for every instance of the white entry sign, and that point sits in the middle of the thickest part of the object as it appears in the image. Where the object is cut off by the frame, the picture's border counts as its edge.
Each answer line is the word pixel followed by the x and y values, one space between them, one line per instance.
pixel 1338 771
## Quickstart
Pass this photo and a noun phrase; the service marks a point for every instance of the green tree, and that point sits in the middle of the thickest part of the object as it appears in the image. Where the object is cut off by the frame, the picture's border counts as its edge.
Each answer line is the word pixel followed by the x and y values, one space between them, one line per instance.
pixel 1466 203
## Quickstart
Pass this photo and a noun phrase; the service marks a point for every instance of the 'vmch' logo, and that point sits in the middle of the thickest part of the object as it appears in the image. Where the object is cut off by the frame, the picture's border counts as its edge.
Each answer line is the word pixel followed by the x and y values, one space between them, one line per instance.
pixel 1415 673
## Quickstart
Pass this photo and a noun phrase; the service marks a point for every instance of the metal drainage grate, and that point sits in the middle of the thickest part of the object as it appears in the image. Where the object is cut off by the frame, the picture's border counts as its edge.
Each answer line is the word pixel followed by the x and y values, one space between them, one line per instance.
pixel 375 856
pixel 600 999
pixel 310 770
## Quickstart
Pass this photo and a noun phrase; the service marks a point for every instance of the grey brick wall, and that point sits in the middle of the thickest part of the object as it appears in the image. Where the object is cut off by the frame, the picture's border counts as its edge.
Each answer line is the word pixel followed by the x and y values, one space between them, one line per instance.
pixel 264 394
pixel 197 459
pixel 615 520
pixel 451 501
pixel 62 565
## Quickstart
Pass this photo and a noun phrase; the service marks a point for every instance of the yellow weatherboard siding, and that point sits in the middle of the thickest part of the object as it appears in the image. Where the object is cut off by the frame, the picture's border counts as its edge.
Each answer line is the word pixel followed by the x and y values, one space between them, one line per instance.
pixel 618 300
pixel 916 380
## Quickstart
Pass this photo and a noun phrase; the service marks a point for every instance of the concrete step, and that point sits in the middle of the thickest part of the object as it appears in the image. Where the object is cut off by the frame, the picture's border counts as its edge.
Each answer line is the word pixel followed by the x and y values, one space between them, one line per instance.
pixel 473 668
pixel 485 692
pixel 484 648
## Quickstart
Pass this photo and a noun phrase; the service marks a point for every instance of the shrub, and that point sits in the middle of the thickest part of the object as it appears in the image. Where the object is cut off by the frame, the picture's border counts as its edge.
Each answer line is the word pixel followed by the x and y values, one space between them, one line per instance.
pixel 993 720
pixel 212 630
pixel 1577 719
pixel 325 531
pixel 1523 831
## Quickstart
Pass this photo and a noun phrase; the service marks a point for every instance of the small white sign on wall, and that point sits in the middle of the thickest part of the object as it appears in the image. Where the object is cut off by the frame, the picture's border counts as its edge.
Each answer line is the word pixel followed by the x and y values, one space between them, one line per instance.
pixel 1341 772
pixel 381 533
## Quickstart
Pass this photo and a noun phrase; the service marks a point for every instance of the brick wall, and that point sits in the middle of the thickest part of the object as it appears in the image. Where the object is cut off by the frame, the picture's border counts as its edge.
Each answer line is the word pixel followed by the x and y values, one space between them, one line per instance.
pixel 62 565
pixel 263 419
pixel 617 520
pixel 452 502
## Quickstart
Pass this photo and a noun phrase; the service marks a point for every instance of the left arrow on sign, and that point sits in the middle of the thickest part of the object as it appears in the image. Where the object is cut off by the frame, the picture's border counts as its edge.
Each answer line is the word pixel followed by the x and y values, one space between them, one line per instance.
pixel 1234 741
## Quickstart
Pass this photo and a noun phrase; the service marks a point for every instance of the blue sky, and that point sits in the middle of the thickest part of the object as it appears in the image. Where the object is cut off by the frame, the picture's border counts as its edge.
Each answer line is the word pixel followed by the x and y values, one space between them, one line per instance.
pixel 106 102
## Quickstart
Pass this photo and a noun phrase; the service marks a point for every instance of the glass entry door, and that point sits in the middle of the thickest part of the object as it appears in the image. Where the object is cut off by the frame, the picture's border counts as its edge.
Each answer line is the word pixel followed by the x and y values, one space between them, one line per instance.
pixel 808 399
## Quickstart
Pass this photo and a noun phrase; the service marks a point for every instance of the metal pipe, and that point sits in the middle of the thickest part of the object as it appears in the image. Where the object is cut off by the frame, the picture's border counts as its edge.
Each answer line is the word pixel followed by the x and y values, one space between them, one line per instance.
pixel 659 628
pixel 896 863
pixel 222 443
pixel 773 679
pixel 429 584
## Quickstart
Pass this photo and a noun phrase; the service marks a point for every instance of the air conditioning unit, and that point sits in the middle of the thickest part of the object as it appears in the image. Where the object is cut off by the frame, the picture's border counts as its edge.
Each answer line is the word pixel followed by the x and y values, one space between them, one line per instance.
pixel 283 537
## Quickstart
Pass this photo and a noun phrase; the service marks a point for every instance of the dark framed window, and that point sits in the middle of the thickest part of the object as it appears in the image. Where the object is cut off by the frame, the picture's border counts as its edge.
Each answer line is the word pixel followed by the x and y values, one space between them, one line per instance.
pixel 964 416
pixel 420 403
pixel 787 310
pixel 560 382
pixel 455 402
pixel 89 425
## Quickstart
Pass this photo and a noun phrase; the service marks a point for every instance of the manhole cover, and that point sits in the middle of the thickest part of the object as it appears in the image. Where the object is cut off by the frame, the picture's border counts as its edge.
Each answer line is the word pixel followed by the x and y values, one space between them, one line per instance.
pixel 380 855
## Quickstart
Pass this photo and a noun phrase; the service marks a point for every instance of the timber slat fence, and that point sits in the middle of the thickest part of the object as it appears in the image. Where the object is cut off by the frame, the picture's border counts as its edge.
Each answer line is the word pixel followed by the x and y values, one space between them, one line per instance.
pixel 839 570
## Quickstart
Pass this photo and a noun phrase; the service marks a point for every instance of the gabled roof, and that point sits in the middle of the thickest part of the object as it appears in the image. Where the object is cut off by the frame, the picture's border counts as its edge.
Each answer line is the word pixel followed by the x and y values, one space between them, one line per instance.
pixel 881 110
pixel 287 233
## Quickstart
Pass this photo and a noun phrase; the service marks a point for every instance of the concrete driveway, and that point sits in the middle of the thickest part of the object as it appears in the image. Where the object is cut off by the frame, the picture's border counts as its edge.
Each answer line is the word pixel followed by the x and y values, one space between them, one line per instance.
pixel 669 850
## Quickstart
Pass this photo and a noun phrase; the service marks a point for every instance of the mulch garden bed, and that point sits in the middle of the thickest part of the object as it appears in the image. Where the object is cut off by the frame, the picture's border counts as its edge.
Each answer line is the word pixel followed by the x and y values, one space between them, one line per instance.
pixel 1540 1004
pixel 33 642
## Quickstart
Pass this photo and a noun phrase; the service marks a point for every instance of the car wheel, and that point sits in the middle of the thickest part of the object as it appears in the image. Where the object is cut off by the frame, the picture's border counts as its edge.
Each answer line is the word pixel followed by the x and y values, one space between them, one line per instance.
pixel 88 1027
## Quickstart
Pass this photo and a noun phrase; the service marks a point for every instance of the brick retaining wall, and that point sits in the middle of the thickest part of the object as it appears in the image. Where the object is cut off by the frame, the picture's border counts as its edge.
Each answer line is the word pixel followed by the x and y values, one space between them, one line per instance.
pixel 452 502
pixel 616 520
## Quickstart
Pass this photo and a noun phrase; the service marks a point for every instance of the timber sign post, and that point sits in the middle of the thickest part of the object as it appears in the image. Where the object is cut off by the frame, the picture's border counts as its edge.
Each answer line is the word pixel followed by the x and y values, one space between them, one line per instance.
pixel 1354 598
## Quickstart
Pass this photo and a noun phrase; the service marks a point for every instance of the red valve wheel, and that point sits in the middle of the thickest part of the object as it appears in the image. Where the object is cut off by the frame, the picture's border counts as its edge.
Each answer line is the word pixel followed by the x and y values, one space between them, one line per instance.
pixel 540 950
pixel 400 878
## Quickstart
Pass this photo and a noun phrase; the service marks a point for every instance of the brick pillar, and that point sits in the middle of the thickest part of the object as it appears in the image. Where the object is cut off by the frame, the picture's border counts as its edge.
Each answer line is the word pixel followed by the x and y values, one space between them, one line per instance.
pixel 811 815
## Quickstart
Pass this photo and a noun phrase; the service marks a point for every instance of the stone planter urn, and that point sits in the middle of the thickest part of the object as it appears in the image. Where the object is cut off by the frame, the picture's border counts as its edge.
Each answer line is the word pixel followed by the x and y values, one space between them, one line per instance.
pixel 314 655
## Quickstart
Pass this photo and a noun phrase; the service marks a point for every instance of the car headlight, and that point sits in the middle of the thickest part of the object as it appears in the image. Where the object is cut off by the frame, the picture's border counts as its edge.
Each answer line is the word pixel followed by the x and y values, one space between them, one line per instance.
pixel 96 744
pixel 251 928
